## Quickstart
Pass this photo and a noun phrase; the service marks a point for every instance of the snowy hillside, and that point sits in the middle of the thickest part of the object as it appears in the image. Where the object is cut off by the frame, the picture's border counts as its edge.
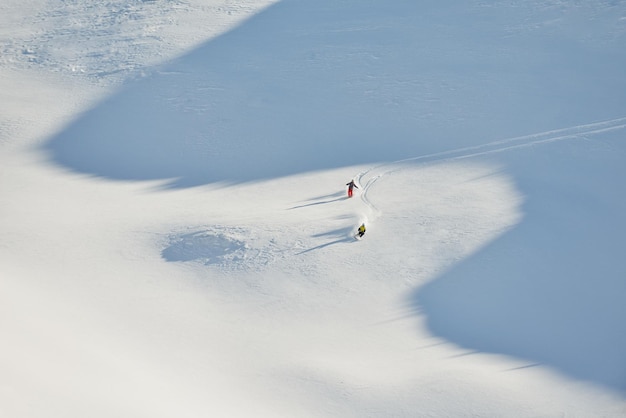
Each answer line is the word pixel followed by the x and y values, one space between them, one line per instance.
pixel 176 239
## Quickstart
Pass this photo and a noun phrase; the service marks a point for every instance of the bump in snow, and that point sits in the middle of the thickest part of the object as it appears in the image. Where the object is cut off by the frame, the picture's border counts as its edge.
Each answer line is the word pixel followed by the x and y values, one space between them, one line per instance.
pixel 207 247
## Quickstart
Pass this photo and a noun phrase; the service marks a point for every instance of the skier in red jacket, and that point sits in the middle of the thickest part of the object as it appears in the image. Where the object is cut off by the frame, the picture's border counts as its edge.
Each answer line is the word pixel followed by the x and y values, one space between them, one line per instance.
pixel 351 185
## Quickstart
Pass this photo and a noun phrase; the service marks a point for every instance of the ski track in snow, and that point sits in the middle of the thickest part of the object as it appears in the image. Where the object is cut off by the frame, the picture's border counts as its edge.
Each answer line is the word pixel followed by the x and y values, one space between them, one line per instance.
pixel 371 176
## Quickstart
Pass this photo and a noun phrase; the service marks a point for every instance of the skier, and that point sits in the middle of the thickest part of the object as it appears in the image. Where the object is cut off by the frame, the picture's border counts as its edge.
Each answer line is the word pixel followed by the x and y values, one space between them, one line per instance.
pixel 361 230
pixel 351 185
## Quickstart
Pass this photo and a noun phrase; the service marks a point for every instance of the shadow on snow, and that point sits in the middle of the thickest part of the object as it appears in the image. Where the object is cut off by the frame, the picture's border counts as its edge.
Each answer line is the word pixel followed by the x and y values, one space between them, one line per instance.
pixel 323 202
pixel 310 85
pixel 552 290
pixel 344 233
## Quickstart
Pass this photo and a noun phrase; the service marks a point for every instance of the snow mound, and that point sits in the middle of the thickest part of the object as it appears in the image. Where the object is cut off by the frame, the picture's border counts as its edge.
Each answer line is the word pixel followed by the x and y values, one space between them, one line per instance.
pixel 217 246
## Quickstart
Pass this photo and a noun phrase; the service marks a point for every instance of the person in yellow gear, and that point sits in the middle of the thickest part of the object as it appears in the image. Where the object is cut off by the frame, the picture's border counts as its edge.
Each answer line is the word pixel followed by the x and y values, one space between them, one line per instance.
pixel 361 231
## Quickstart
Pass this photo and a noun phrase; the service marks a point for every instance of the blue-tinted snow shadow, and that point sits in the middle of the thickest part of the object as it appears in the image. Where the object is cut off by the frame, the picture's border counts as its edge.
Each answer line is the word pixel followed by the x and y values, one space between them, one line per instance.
pixel 553 289
pixel 310 85
pixel 342 235
pixel 323 200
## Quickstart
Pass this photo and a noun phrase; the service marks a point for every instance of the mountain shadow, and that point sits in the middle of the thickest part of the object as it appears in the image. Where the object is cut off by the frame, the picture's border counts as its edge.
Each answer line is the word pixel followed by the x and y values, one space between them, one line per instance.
pixel 552 290
pixel 309 85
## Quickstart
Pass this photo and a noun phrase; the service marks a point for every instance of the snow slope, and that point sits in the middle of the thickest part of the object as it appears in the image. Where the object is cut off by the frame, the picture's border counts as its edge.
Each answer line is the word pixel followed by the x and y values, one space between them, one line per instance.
pixel 176 240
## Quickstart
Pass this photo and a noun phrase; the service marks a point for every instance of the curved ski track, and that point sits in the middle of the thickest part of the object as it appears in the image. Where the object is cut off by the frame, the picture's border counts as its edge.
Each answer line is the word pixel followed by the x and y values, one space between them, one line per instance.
pixel 372 175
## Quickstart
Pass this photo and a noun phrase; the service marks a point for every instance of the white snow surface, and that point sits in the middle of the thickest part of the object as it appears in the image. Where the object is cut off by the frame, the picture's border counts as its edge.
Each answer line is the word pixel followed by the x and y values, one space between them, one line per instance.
pixel 176 239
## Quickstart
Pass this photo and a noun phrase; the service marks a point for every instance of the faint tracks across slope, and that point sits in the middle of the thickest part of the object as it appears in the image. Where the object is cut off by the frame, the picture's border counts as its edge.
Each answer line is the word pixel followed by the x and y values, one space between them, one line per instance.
pixel 368 178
